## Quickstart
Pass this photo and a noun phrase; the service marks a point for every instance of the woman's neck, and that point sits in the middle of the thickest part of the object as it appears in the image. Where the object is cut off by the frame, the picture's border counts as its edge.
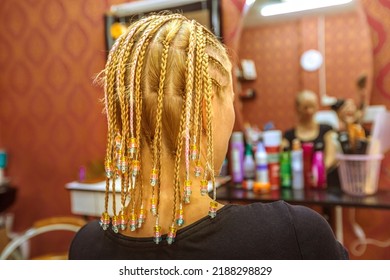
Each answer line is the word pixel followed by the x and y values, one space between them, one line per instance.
pixel 307 124
pixel 193 211
pixel 307 131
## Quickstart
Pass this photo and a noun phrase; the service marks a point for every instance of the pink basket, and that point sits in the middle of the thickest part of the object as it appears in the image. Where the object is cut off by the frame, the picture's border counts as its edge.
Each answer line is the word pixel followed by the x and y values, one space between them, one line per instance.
pixel 359 174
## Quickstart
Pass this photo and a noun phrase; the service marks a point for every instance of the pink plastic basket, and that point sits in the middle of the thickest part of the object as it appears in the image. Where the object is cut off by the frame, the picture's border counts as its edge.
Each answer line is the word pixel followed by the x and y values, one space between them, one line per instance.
pixel 359 174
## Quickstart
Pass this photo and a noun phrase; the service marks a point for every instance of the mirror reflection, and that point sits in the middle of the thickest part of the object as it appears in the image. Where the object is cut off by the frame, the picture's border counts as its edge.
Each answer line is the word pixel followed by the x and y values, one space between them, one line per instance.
pixel 273 68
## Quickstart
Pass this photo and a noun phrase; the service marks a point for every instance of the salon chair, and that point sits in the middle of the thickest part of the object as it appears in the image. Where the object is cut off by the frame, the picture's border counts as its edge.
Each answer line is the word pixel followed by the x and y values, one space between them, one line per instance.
pixel 54 224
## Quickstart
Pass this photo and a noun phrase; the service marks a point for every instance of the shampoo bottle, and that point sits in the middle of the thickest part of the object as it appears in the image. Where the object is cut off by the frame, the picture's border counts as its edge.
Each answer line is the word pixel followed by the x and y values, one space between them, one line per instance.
pixel 297 165
pixel 261 181
pixel 307 148
pixel 318 167
pixel 285 168
pixel 272 141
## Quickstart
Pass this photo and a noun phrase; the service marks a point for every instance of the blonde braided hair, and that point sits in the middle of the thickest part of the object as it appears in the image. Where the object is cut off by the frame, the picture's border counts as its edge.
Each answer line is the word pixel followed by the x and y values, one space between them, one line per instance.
pixel 158 75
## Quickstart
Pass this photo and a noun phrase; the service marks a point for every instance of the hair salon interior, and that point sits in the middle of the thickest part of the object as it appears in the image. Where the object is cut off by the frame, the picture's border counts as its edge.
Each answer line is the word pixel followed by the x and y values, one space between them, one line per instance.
pixel 53 130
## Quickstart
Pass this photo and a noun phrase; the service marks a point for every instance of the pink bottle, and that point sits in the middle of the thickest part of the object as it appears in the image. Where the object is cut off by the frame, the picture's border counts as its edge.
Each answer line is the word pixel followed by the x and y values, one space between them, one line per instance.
pixel 318 168
pixel 307 148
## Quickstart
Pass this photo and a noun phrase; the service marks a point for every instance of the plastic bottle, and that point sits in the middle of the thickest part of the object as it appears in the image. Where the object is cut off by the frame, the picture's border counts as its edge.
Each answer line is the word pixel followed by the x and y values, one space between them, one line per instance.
pixel 272 140
pixel 237 156
pixel 3 164
pixel 261 179
pixel 318 168
pixel 285 168
pixel 249 168
pixel 307 148
pixel 297 165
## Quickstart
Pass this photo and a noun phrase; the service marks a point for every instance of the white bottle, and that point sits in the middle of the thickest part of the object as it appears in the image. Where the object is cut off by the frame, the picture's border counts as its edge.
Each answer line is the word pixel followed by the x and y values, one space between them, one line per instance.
pixel 261 160
pixel 297 165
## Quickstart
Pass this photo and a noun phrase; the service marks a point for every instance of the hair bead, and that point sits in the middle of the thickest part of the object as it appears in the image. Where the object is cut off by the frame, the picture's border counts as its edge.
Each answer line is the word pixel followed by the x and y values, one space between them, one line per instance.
pixel 154 177
pixel 180 216
pixel 171 234
pixel 104 220
pixel 157 234
pixel 122 221
pixel 141 216
pixel 187 191
pixel 203 187
pixel 115 223
pixel 213 209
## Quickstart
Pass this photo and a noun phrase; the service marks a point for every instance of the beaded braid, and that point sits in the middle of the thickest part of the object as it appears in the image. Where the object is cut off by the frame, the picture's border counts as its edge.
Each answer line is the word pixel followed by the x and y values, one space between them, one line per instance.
pixel 210 159
pixel 200 47
pixel 109 84
pixel 126 142
pixel 157 145
pixel 188 105
pixel 125 154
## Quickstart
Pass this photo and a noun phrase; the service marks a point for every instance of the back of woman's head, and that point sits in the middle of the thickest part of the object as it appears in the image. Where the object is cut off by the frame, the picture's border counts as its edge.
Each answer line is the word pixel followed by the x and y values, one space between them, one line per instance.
pixel 159 80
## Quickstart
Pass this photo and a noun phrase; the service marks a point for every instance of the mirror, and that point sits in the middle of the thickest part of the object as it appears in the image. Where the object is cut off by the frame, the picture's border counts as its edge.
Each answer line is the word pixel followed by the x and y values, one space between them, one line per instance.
pixel 274 47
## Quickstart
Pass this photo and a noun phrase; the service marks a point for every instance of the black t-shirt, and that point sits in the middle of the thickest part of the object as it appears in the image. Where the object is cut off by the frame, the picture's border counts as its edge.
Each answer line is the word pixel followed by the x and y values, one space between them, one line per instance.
pixel 256 231
pixel 319 140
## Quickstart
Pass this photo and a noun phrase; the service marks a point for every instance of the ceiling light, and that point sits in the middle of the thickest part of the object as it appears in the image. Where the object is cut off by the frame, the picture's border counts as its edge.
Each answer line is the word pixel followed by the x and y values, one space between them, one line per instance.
pixel 298 6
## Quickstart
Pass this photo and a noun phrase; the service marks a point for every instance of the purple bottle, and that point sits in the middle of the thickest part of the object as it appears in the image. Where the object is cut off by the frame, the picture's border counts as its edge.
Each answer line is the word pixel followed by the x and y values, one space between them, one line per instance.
pixel 237 156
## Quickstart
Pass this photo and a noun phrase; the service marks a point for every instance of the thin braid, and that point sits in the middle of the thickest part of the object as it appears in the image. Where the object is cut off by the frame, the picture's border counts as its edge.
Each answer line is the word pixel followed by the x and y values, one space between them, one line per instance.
pixel 109 83
pixel 188 106
pixel 157 136
pixel 157 141
pixel 200 47
pixel 179 146
pixel 210 152
pixel 205 87
pixel 198 89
